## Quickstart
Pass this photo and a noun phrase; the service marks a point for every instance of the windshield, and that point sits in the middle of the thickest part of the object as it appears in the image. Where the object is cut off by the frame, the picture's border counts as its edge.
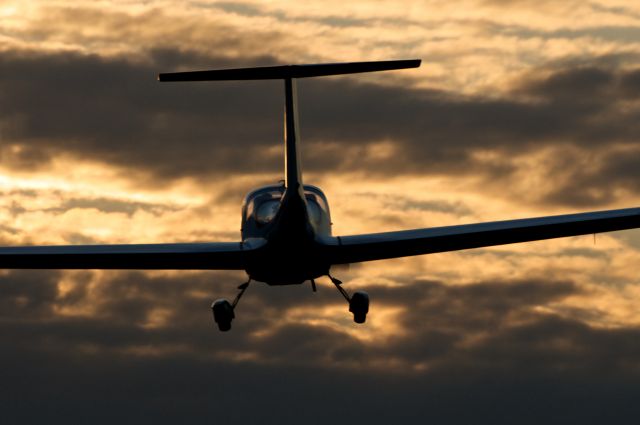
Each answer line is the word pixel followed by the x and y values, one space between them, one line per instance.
pixel 314 212
pixel 267 211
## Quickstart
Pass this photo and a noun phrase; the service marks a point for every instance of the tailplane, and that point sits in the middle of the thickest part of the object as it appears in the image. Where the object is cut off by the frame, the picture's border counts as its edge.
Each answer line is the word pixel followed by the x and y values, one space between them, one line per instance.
pixel 282 72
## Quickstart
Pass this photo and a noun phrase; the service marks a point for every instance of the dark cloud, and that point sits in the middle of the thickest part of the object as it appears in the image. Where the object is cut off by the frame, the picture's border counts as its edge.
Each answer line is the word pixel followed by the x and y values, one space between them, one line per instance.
pixel 575 106
pixel 591 83
pixel 630 84
pixel 593 184
pixel 463 351
pixel 604 33
pixel 124 303
pixel 580 114
pixel 30 293
pixel 113 347
pixel 113 110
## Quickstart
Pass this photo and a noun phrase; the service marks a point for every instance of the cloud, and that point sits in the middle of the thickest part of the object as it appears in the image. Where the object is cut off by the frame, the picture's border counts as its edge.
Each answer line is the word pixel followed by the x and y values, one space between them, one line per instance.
pixel 102 204
pixel 121 116
pixel 119 312
pixel 29 293
pixel 95 150
pixel 485 337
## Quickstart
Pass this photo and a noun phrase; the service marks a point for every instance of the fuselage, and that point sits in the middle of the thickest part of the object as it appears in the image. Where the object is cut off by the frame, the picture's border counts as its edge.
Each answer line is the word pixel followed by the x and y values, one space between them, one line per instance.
pixel 286 222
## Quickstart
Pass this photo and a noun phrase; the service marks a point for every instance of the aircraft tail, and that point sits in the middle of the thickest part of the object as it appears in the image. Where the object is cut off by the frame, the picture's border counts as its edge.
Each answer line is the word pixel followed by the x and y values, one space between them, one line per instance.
pixel 293 169
pixel 294 193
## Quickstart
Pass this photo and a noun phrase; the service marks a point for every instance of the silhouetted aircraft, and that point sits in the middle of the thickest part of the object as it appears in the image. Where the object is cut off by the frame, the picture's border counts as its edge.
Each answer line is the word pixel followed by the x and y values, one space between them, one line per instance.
pixel 286 228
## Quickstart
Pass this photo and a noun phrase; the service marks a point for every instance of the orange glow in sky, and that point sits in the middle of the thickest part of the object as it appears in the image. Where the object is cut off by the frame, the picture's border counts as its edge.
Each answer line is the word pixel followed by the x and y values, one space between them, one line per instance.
pixel 520 109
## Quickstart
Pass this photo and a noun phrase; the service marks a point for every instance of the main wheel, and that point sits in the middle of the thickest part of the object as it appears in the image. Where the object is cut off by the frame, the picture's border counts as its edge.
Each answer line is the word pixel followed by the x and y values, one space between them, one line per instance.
pixel 359 306
pixel 359 317
pixel 224 326
pixel 222 314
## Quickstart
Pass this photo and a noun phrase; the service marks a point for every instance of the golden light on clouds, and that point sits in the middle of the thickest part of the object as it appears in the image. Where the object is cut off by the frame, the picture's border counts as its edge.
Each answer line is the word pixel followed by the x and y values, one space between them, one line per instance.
pixel 469 47
pixel 520 109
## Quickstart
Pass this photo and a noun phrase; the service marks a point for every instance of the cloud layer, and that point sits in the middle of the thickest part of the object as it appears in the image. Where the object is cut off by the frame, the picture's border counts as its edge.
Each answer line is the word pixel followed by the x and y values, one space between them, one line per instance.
pixel 581 120
pixel 521 108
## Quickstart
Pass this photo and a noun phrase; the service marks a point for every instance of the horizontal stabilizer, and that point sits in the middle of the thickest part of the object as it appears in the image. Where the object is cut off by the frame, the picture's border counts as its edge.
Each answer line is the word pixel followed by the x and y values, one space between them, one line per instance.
pixel 289 71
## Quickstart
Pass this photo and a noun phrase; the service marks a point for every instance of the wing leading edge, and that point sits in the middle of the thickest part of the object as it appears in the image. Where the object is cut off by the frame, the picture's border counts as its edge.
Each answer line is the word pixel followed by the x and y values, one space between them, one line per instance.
pixel 179 256
pixel 379 246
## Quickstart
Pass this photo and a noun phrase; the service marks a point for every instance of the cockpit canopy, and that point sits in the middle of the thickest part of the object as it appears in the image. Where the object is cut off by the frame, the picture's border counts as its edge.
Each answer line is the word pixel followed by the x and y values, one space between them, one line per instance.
pixel 262 205
pixel 316 207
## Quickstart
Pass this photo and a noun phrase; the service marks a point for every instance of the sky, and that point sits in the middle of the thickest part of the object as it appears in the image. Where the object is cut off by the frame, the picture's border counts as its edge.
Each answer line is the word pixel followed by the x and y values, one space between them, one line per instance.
pixel 521 108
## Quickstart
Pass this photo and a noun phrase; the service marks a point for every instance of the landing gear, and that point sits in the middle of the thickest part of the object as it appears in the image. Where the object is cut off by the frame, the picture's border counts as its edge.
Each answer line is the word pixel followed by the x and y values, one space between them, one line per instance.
pixel 222 314
pixel 359 306
pixel 358 302
pixel 223 310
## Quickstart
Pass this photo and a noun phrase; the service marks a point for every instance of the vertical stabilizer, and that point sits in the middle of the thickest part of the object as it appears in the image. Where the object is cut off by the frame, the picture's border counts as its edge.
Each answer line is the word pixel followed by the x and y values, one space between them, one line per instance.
pixel 292 219
pixel 292 165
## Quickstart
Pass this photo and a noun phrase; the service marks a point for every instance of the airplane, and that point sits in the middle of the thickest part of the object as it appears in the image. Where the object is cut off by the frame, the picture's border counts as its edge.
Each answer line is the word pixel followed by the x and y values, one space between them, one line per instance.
pixel 286 234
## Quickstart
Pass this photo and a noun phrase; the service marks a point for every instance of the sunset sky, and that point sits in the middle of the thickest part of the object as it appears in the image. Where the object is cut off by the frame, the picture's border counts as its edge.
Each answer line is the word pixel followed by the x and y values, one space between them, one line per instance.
pixel 521 108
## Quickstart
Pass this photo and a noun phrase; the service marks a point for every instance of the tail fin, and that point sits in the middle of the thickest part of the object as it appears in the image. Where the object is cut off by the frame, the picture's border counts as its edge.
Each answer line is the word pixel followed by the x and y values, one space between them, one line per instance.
pixel 292 163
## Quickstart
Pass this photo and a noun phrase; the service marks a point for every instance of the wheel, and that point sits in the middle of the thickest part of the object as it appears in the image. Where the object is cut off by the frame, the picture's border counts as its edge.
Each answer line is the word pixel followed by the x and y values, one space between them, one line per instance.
pixel 359 317
pixel 224 326
pixel 359 306
pixel 222 314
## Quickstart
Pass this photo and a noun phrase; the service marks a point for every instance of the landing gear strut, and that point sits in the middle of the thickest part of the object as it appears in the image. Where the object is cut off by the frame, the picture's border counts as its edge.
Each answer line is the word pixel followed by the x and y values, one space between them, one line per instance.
pixel 358 302
pixel 223 310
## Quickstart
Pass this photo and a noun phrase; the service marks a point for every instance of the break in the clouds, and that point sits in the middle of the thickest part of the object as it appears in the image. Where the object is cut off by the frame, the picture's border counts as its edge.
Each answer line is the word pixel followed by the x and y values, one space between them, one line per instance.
pixel 520 108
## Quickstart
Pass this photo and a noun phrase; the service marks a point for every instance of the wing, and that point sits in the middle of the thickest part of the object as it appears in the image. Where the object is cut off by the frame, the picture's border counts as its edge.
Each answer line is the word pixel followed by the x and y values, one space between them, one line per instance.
pixel 378 246
pixel 180 256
